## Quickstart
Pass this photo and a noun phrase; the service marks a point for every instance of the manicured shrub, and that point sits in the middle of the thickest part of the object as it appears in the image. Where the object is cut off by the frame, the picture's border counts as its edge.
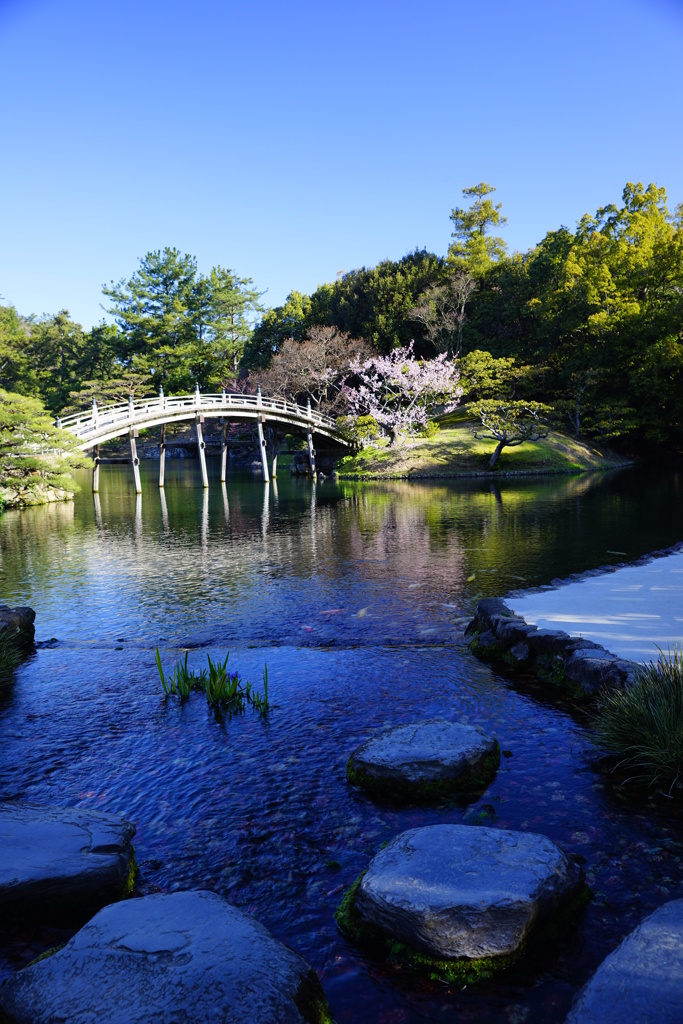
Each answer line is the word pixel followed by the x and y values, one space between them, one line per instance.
pixel 430 429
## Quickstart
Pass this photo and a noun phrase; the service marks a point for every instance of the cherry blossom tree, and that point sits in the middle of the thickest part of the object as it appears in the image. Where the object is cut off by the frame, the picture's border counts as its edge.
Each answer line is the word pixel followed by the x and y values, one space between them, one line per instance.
pixel 400 391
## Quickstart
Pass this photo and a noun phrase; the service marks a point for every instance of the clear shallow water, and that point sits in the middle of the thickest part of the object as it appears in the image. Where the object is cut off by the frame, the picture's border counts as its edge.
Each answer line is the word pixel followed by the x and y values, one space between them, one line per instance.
pixel 356 597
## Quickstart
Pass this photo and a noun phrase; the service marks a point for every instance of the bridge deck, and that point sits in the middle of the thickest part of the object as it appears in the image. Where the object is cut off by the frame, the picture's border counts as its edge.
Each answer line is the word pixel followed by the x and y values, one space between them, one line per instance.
pixel 96 426
pixel 99 425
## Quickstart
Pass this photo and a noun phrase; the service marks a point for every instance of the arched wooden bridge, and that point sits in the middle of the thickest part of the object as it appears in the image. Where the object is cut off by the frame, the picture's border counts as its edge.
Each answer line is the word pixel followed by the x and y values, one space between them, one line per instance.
pixel 95 426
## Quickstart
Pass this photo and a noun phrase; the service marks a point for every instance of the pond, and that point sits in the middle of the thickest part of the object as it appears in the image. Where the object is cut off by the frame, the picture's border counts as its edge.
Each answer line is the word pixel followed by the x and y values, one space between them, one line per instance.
pixel 356 597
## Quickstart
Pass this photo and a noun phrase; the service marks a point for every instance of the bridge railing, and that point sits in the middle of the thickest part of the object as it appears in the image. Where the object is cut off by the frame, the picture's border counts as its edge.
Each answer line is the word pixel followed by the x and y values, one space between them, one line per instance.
pixel 135 412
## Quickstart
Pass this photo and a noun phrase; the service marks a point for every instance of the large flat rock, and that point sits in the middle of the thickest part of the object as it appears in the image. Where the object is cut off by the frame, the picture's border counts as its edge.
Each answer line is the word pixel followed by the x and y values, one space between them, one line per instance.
pixel 457 891
pixel 433 755
pixel 184 957
pixel 641 982
pixel 55 856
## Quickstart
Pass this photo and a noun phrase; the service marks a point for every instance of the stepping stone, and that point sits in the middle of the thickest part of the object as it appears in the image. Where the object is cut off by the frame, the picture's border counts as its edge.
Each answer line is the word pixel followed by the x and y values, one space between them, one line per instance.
pixel 641 982
pixel 187 956
pixel 456 891
pixel 52 856
pixel 423 759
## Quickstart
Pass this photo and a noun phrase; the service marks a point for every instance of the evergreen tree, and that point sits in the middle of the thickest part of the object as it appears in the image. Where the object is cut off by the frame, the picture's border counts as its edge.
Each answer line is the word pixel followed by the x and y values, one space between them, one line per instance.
pixel 473 249
pixel 56 350
pixel 16 373
pixel 290 320
pixel 153 312
pixel 222 307
pixel 34 455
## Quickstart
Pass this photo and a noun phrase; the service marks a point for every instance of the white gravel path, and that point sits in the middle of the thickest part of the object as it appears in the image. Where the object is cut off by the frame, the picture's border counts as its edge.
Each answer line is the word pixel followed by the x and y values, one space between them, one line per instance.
pixel 631 612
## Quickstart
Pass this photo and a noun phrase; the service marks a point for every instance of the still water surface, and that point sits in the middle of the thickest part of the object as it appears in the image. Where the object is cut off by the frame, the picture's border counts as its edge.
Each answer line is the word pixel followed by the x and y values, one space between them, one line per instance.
pixel 356 597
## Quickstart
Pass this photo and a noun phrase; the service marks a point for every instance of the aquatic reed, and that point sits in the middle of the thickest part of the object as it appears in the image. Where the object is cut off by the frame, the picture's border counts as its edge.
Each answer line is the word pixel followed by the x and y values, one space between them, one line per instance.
pixel 644 724
pixel 222 690
pixel 181 682
pixel 9 652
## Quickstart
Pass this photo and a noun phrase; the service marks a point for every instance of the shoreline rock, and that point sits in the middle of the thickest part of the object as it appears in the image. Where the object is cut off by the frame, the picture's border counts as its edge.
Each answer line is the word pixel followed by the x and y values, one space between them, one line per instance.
pixel 20 621
pixel 34 498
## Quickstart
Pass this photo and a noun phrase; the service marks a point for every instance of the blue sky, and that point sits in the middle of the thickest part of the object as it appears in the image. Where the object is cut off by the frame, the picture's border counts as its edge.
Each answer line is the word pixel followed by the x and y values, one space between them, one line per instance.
pixel 291 141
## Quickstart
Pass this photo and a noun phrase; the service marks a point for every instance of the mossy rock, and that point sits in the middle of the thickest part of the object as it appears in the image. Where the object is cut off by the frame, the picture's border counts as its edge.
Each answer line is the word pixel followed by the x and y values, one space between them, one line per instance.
pixel 425 761
pixel 382 947
pixel 465 788
pixel 132 877
pixel 310 1001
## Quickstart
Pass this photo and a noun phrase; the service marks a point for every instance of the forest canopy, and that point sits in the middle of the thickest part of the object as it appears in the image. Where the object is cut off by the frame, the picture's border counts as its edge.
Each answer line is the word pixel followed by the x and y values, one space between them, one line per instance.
pixel 589 322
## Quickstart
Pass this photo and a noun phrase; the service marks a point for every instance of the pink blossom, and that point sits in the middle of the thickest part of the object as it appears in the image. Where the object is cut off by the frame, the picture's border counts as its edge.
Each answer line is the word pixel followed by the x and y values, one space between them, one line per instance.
pixel 400 391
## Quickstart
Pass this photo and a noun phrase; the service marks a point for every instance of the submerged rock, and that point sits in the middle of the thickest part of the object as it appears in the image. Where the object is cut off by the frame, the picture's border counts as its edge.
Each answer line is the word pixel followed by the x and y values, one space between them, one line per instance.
pixel 188 956
pixel 424 758
pixel 51 856
pixel 457 891
pixel 641 982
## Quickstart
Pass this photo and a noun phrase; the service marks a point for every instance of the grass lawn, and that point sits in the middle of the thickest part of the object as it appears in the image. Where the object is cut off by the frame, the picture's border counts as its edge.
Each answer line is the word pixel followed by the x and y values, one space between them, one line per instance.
pixel 455 451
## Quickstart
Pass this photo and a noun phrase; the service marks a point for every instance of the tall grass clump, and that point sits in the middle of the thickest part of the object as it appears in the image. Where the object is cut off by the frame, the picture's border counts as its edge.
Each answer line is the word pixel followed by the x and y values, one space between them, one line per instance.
pixel 10 655
pixel 644 724
pixel 222 690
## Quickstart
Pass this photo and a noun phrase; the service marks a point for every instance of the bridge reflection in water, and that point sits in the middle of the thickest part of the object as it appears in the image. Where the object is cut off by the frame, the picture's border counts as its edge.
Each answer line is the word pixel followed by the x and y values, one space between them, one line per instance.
pixel 95 426
pixel 269 488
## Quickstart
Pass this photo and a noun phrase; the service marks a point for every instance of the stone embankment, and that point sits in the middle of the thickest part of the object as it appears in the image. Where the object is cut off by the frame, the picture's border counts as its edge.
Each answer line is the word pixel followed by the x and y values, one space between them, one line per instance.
pixel 499 635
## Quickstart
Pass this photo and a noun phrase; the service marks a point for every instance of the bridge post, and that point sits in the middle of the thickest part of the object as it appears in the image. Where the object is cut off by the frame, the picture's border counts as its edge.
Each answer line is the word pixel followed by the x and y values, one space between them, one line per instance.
pixel 262 445
pixel 309 438
pixel 273 470
pixel 311 453
pixel 224 451
pixel 201 446
pixel 162 455
pixel 96 470
pixel 132 433
pixel 94 411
